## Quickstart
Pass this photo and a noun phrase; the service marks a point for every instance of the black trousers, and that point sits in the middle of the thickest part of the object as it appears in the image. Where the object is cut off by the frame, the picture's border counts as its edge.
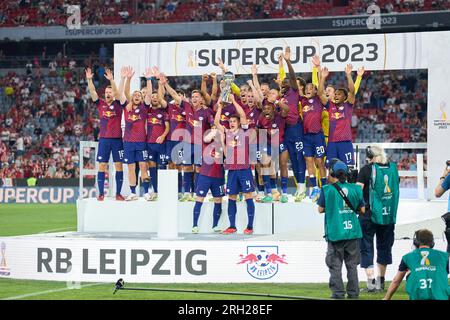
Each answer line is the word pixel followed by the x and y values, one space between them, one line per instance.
pixel 384 242
pixel 339 252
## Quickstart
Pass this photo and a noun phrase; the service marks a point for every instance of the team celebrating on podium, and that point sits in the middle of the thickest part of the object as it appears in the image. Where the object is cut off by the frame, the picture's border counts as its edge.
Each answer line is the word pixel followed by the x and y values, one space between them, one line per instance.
pixel 227 142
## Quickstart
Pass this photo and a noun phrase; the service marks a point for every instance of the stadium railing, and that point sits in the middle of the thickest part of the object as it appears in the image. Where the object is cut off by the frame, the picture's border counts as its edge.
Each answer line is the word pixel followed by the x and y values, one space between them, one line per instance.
pixel 420 173
pixel 91 172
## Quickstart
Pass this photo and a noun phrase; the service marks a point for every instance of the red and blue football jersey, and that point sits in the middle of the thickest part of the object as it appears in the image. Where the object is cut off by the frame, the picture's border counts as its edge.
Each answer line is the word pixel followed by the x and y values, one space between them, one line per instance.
pixel 135 122
pixel 212 161
pixel 156 124
pixel 110 119
pixel 228 110
pixel 312 114
pixel 177 121
pixel 293 99
pixel 274 126
pixel 198 122
pixel 340 122
pixel 252 115
pixel 237 150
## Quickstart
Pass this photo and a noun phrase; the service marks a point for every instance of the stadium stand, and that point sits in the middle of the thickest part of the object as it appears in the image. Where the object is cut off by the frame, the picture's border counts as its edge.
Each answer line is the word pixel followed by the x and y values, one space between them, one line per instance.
pixel 110 12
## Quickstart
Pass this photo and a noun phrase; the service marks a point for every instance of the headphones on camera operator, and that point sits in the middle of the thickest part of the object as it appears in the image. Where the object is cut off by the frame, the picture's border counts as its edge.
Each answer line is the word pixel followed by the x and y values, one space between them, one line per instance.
pixel 336 166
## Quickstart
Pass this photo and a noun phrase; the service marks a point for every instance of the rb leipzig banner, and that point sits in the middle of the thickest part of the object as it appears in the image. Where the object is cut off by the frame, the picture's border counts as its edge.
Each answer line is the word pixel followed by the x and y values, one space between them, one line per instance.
pixel 149 261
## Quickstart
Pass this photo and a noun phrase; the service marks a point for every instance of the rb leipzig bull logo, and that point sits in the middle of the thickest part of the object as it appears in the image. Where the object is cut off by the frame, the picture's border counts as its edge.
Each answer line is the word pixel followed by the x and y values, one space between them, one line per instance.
pixel 262 261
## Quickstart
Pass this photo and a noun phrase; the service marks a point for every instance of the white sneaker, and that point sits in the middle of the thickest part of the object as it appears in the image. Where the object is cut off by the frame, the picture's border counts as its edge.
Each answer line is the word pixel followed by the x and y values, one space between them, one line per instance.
pixel 153 196
pixel 217 230
pixel 195 230
pixel 147 197
pixel 132 197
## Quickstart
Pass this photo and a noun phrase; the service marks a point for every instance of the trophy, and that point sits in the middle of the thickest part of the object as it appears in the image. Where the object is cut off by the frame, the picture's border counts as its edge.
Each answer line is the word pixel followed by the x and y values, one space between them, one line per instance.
pixel 228 78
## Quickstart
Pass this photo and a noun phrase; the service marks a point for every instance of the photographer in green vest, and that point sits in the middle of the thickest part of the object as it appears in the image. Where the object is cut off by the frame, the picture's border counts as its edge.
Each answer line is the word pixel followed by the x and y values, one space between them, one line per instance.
pixel 380 182
pixel 341 202
pixel 428 278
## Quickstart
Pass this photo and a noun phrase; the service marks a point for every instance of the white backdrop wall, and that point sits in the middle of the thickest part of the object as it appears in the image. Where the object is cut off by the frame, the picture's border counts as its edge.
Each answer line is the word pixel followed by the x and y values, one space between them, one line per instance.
pixel 426 50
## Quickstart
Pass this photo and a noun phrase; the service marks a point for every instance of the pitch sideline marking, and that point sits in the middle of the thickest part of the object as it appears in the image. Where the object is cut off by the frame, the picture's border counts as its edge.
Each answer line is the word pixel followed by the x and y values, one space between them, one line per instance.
pixel 59 229
pixel 49 291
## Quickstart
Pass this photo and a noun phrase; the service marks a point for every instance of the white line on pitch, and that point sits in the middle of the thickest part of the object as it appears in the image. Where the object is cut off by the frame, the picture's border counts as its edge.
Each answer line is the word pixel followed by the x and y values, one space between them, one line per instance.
pixel 48 291
pixel 59 229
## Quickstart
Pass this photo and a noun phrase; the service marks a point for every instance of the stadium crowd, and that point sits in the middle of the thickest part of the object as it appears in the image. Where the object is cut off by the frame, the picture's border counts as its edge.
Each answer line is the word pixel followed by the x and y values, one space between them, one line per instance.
pixel 54 12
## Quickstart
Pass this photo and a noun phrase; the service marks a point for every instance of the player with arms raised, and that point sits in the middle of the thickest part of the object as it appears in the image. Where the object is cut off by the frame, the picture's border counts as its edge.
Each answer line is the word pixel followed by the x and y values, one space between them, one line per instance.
pixel 293 136
pixel 340 111
pixel 110 138
pixel 314 139
pixel 135 137
pixel 237 162
pixel 157 130
pixel 211 177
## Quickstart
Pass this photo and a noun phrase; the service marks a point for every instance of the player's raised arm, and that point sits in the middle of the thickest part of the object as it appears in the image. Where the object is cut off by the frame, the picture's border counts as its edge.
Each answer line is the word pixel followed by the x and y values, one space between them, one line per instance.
pixel 123 75
pixel 215 88
pixel 360 74
pixel 315 70
pixel 110 77
pixel 221 66
pixel 257 92
pixel 204 89
pixel 351 84
pixel 321 88
pixel 239 110
pixel 130 74
pixel 292 76
pixel 91 86
pixel 175 96
pixel 256 96
pixel 161 91
pixel 281 72
pixel 123 80
pixel 148 95
pixel 218 115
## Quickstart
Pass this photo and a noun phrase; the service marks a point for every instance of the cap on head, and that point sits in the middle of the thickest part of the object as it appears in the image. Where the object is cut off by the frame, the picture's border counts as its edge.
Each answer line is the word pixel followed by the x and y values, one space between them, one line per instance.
pixel 337 165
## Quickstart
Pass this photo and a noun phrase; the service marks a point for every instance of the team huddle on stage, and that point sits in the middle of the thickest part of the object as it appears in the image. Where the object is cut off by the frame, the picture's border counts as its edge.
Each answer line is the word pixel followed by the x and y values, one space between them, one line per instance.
pixel 257 128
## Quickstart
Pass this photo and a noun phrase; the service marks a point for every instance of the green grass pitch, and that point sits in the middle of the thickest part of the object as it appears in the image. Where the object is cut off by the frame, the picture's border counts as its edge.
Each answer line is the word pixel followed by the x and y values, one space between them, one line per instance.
pixel 21 219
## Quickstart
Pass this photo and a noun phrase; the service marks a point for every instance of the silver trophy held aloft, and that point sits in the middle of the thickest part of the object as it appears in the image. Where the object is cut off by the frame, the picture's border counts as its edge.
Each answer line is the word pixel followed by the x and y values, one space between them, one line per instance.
pixel 228 78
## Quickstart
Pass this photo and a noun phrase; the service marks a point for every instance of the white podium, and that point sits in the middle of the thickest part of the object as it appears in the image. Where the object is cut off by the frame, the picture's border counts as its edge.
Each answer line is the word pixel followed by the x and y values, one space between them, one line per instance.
pixel 142 216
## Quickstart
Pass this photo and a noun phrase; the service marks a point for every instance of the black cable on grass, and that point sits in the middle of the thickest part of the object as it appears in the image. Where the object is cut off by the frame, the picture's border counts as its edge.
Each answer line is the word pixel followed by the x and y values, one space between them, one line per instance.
pixel 120 286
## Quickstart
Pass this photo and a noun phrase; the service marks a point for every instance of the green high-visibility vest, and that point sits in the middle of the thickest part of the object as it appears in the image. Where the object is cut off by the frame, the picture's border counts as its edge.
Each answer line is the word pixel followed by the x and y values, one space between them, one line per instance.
pixel 384 190
pixel 341 222
pixel 31 182
pixel 428 278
